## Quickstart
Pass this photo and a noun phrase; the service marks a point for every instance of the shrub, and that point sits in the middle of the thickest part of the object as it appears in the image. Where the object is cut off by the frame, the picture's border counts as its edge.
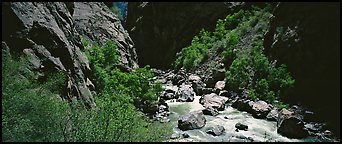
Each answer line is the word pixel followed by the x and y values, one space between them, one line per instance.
pixel 30 111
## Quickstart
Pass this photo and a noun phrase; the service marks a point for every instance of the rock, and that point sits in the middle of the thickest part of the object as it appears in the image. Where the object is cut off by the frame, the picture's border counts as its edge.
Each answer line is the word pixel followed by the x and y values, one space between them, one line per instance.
pixel 193 77
pixel 185 93
pixel 216 130
pixel 272 115
pixel 241 126
pixel 185 135
pixel 167 96
pixel 314 127
pixel 170 89
pixel 208 90
pixel 210 111
pixel 198 87
pixel 192 120
pixel 294 37
pixel 290 125
pixel 96 22
pixel 220 85
pixel 175 136
pixel 45 32
pixel 260 109
pixel 177 79
pixel 214 101
pixel 162 80
pixel 243 105
pixel 224 93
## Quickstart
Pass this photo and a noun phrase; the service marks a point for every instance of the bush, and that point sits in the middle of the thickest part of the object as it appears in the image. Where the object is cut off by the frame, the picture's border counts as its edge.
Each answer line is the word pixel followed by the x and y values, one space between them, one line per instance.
pixel 250 70
pixel 30 111
pixel 194 54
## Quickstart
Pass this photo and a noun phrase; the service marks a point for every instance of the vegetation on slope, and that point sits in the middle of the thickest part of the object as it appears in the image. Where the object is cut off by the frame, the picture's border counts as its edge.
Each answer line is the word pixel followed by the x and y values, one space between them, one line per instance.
pixel 33 112
pixel 248 70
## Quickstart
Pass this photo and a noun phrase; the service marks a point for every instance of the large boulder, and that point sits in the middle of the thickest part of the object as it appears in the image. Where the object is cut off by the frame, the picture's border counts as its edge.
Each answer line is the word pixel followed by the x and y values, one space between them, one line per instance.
pixel 272 115
pixel 185 93
pixel 169 92
pixel 291 125
pixel 260 109
pixel 192 120
pixel 243 105
pixel 214 101
pixel 216 130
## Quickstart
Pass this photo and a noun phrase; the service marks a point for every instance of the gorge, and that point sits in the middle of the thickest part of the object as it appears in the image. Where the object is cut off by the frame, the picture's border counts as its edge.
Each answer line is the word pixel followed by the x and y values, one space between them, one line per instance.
pixel 220 71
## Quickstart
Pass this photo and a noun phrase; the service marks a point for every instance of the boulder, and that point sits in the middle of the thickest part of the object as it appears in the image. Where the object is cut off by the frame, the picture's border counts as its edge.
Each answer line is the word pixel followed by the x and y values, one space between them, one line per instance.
pixel 185 93
pixel 214 101
pixel 220 85
pixel 260 109
pixel 193 77
pixel 224 93
pixel 198 87
pixel 291 125
pixel 272 115
pixel 243 105
pixel 241 126
pixel 192 120
pixel 175 136
pixel 216 130
pixel 185 135
pixel 210 111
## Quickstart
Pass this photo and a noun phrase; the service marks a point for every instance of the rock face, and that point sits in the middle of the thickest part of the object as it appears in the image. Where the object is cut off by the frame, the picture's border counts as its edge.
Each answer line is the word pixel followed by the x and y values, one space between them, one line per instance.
pixel 290 125
pixel 307 41
pixel 160 30
pixel 46 33
pixel 192 120
pixel 214 101
pixel 96 22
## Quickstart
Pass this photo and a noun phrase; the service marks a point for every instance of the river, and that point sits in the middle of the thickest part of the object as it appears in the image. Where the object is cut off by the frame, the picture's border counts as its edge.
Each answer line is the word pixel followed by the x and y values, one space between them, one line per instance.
pixel 259 130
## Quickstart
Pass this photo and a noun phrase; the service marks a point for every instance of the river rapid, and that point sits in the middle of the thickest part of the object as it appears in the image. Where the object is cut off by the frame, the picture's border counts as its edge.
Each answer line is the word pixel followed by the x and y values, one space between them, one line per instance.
pixel 259 130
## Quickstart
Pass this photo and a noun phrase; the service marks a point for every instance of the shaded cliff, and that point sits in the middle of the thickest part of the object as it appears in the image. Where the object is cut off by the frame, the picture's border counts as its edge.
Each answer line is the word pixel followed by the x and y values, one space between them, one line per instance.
pixel 160 30
pixel 306 37
pixel 49 33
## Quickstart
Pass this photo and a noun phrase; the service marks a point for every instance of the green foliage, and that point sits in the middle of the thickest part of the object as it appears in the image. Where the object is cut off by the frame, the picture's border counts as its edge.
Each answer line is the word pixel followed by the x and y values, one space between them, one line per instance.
pixel 84 41
pixel 30 111
pixel 250 69
pixel 194 54
pixel 120 94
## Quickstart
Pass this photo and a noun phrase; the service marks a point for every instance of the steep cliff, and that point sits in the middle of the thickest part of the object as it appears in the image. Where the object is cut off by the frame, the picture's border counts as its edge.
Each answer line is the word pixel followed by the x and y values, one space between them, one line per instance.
pixel 49 33
pixel 160 30
pixel 306 37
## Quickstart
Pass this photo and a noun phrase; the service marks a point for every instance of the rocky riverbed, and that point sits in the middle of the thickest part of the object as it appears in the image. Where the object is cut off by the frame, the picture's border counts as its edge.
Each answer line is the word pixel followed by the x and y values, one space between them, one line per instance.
pixel 213 114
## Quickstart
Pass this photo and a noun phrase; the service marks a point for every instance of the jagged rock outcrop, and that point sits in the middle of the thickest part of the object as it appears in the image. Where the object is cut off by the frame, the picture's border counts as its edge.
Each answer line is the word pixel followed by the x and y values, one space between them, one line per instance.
pixel 96 22
pixel 46 33
pixel 160 30
pixel 308 42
